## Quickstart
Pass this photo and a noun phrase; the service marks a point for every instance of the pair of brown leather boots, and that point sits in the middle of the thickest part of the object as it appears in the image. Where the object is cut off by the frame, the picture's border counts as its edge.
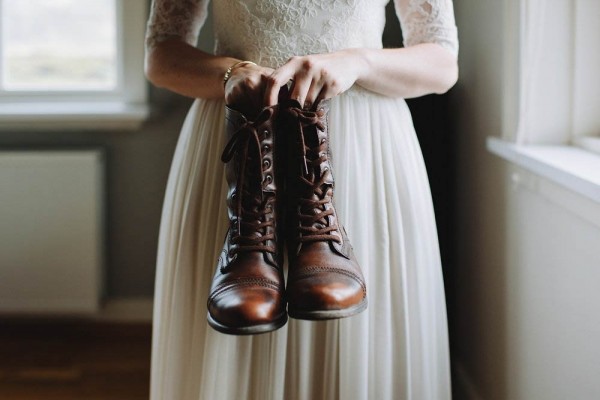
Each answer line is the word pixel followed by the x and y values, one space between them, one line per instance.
pixel 280 191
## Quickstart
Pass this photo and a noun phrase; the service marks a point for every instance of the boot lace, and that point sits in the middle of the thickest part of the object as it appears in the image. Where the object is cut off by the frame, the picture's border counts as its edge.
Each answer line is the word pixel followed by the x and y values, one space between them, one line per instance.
pixel 315 191
pixel 252 206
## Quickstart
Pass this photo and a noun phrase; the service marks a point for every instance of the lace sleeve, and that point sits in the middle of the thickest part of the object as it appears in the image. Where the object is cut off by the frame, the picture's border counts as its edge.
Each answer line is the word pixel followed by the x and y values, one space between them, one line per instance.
pixel 428 21
pixel 175 18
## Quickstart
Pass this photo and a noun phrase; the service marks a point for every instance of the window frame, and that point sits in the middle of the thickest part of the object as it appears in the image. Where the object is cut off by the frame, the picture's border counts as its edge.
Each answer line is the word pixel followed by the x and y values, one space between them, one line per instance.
pixel 539 125
pixel 586 81
pixel 544 90
pixel 123 107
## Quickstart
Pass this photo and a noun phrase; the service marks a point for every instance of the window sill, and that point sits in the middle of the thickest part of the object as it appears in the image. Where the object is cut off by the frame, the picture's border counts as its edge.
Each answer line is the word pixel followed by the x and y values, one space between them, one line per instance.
pixel 53 116
pixel 573 168
pixel 591 143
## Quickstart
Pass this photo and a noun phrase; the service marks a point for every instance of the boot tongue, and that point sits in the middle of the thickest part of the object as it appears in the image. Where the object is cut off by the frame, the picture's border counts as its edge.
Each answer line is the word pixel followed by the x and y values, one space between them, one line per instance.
pixel 252 199
pixel 314 210
pixel 313 175
pixel 312 193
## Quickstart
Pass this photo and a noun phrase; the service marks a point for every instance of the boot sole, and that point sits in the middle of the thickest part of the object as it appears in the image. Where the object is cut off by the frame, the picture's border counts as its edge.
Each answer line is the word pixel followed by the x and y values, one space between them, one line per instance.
pixel 247 330
pixel 319 315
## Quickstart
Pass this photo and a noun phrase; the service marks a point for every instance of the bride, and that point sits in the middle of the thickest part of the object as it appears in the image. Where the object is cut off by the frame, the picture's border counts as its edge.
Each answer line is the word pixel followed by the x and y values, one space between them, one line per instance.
pixel 322 49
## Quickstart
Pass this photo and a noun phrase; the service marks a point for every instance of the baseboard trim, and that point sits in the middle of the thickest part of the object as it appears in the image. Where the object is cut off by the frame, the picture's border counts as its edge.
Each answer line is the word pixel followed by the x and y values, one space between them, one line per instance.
pixel 467 390
pixel 126 309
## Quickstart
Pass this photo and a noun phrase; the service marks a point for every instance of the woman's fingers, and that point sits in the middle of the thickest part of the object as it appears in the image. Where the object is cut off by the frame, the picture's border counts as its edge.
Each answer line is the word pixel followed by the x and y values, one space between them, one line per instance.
pixel 328 91
pixel 320 89
pixel 300 88
pixel 315 77
pixel 244 90
pixel 305 77
pixel 277 79
pixel 297 69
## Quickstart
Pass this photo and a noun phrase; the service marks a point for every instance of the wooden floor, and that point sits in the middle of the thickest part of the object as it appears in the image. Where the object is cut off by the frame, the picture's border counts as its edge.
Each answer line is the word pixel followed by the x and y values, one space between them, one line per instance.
pixel 73 360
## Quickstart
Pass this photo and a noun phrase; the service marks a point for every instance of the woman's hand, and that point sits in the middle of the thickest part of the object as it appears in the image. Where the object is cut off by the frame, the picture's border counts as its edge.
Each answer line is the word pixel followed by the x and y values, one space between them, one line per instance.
pixel 316 77
pixel 245 88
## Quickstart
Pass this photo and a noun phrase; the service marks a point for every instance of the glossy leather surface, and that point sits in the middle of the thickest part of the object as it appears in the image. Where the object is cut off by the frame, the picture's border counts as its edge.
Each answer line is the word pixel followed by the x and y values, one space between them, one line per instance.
pixel 324 278
pixel 247 291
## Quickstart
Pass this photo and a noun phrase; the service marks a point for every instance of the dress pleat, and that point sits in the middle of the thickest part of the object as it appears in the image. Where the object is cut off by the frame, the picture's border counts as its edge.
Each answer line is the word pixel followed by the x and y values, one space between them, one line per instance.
pixel 397 349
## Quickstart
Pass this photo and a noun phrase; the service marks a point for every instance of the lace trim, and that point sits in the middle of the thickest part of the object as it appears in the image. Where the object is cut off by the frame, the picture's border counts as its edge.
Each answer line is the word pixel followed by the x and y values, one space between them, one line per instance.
pixel 270 31
pixel 428 21
pixel 175 18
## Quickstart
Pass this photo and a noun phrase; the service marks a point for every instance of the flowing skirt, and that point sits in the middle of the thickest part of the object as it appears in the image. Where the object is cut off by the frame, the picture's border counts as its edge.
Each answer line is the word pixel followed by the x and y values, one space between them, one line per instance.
pixel 397 349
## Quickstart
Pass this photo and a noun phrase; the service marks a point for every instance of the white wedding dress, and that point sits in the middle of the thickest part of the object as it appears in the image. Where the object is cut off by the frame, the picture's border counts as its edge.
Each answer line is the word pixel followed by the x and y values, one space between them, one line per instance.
pixel 398 348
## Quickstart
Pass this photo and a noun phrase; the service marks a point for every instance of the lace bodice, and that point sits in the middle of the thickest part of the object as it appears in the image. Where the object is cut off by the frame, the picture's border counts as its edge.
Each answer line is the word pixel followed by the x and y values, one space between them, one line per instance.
pixel 270 31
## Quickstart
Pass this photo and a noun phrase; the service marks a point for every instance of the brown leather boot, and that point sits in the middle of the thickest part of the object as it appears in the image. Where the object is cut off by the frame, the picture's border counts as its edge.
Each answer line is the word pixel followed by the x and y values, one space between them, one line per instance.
pixel 247 293
pixel 324 278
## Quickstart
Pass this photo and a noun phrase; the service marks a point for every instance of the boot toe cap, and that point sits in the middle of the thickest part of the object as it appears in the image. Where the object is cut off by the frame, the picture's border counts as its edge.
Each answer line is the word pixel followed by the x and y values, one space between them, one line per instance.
pixel 246 309
pixel 325 291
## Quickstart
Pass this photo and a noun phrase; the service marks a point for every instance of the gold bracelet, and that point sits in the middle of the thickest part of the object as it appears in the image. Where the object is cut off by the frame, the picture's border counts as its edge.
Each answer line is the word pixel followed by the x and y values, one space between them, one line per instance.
pixel 230 69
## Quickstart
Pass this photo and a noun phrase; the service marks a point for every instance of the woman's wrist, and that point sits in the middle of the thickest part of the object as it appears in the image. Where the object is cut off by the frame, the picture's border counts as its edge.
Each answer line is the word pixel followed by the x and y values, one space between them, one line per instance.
pixel 359 60
pixel 233 67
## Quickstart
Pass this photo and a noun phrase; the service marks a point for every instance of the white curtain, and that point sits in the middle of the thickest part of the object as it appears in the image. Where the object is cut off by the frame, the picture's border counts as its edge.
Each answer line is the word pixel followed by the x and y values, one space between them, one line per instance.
pixel 532 46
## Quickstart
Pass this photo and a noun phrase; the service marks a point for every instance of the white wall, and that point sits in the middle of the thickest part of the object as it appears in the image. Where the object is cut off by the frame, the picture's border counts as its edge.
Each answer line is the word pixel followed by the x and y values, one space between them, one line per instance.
pixel 528 262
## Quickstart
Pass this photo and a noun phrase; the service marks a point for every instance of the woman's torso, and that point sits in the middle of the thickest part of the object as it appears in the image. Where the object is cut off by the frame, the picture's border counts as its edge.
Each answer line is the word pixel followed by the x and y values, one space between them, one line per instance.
pixel 271 31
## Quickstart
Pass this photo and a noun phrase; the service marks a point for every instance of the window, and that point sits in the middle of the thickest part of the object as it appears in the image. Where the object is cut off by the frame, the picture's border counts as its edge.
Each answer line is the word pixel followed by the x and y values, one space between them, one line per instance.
pixel 551 124
pixel 586 83
pixel 75 61
pixel 68 45
pixel 556 71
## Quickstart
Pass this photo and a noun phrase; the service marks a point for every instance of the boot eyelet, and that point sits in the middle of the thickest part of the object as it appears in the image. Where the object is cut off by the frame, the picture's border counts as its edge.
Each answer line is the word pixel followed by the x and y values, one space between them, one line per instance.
pixel 325 169
pixel 266 132
pixel 266 164
pixel 323 140
pixel 266 148
pixel 268 179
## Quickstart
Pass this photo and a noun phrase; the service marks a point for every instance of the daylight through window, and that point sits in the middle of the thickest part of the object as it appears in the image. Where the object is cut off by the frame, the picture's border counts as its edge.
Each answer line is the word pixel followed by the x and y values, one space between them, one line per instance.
pixel 58 45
